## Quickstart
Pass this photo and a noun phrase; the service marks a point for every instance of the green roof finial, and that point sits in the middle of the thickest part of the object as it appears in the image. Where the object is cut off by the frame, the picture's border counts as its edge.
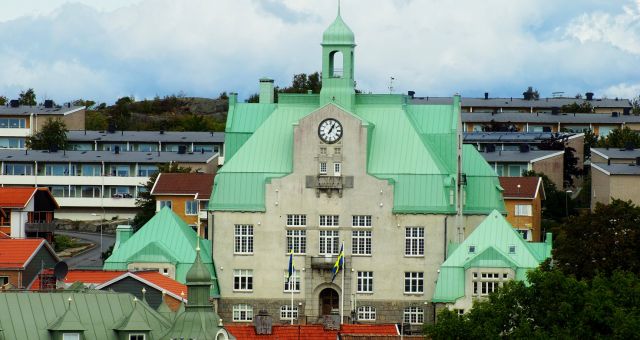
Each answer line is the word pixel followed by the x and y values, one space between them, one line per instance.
pixel 338 7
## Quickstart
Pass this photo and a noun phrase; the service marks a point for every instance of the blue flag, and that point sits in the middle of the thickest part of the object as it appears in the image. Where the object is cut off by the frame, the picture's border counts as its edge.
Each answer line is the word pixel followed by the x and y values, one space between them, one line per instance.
pixel 292 269
pixel 339 264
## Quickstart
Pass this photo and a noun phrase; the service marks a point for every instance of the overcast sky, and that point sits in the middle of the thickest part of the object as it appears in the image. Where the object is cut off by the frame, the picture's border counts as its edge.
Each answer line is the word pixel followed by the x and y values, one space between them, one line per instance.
pixel 103 50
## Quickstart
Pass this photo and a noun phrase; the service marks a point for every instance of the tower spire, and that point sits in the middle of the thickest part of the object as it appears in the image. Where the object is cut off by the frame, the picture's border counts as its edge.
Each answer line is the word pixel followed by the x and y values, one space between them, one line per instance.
pixel 338 7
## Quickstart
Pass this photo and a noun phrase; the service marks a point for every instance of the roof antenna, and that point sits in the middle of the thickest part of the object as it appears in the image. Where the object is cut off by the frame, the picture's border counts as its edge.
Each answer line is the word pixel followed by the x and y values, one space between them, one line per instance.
pixel 338 7
pixel 198 238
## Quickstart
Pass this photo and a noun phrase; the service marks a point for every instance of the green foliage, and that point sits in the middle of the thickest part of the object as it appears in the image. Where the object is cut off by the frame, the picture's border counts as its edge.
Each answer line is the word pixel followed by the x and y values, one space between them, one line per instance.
pixel 302 83
pixel 494 126
pixel 601 241
pixel 254 98
pixel 557 203
pixel 105 254
pixel 553 306
pixel 121 113
pixel 145 201
pixel 28 97
pixel 81 102
pixel 590 141
pixel 63 242
pixel 574 107
pixel 618 138
pixel 531 94
pixel 52 134
pixel 636 105
pixel 3 100
pixel 96 120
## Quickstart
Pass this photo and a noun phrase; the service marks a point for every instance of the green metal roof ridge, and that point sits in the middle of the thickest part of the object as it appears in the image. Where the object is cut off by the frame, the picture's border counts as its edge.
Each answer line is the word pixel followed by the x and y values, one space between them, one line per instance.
pixel 482 254
pixel 134 321
pixel 69 321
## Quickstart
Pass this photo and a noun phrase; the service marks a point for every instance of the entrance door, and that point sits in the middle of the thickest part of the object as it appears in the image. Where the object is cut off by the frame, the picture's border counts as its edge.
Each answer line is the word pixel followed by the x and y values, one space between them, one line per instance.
pixel 329 301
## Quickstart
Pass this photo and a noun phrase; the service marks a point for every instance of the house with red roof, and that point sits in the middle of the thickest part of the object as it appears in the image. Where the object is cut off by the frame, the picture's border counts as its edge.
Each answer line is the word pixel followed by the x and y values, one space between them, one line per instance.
pixel 523 201
pixel 27 212
pixel 157 287
pixel 21 260
pixel 186 194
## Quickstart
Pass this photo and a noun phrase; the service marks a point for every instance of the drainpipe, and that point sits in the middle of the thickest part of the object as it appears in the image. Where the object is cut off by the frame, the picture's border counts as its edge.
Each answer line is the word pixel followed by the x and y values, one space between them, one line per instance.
pixel 444 257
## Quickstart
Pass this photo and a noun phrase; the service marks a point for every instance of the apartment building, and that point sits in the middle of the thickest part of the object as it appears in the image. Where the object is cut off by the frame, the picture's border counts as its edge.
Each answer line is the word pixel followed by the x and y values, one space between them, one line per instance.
pixel 514 163
pixel 27 212
pixel 615 173
pixel 87 184
pixel 17 122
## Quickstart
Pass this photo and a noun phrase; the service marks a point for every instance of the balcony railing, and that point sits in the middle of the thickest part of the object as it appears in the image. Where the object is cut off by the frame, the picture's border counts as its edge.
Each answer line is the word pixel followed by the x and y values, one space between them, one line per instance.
pixel 39 227
pixel 329 182
pixel 323 262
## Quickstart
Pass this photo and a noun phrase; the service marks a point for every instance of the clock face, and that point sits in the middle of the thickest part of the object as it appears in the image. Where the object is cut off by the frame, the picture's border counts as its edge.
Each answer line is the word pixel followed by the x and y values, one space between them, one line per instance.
pixel 330 130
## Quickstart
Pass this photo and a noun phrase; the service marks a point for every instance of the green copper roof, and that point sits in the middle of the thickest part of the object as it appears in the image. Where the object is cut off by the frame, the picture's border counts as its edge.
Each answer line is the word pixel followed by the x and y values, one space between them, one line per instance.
pixel 491 240
pixel 198 272
pixel 134 321
pixel 338 33
pixel 69 321
pixel 201 325
pixel 33 314
pixel 165 238
pixel 165 310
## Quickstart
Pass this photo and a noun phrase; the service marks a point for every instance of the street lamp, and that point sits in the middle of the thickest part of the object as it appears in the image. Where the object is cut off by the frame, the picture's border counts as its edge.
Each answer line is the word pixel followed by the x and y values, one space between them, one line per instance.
pixel 101 220
pixel 566 202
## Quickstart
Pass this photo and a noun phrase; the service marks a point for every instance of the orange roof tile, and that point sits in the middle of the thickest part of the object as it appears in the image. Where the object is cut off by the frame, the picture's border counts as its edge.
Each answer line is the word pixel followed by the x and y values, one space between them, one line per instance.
pixel 19 197
pixel 16 253
pixel 184 183
pixel 85 276
pixel 308 332
pixel 166 283
pixel 521 187
pixel 3 235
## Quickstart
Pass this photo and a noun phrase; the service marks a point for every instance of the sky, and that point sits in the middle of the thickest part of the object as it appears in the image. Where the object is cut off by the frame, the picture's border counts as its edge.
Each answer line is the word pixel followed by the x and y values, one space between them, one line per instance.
pixel 103 50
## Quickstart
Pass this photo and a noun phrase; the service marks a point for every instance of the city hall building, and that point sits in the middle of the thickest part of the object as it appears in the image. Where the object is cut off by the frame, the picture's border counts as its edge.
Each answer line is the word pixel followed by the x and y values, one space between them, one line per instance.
pixel 388 178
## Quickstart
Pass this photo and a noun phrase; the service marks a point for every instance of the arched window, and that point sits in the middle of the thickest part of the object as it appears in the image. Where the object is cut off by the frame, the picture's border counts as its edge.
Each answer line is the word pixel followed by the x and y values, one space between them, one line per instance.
pixel 336 64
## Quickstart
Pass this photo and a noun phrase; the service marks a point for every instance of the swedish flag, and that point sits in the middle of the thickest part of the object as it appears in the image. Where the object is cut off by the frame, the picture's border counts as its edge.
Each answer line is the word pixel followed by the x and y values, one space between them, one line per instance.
pixel 292 269
pixel 339 263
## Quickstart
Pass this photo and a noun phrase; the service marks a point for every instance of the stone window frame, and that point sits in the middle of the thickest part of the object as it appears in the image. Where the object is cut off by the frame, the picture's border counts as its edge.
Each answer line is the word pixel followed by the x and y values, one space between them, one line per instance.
pixel 243 239
pixel 242 312
pixel 243 280
pixel 414 241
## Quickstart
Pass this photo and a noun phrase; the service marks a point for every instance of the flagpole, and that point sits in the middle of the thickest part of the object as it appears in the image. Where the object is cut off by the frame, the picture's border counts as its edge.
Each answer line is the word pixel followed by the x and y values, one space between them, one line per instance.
pixel 291 288
pixel 342 288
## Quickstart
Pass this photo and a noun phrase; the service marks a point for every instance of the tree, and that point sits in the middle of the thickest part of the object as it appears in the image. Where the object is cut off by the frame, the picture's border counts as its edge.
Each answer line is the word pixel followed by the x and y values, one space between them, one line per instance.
pixel 28 97
pixel 3 100
pixel 494 126
pixel 590 141
pixel 553 306
pixel 619 138
pixel 145 201
pixel 557 203
pixel 636 105
pixel 81 102
pixel 531 94
pixel 574 107
pixel 52 135
pixel 571 170
pixel 601 241
pixel 302 83
pixel 121 113
pixel 254 98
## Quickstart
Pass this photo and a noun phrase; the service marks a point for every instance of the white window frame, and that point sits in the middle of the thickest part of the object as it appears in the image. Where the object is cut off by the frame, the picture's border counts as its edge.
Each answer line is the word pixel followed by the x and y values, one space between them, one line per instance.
pixel 165 203
pixel 329 221
pixel 364 282
pixel 4 280
pixel 366 313
pixel 337 169
pixel 286 313
pixel 414 282
pixel 323 168
pixel 243 239
pixel 296 220
pixel 295 281
pixel 413 315
pixel 195 208
pixel 361 242
pixel 136 335
pixel 414 241
pixel 242 312
pixel 361 221
pixel 487 282
pixel 523 210
pixel 297 241
pixel 242 280
pixel 71 336
pixel 329 242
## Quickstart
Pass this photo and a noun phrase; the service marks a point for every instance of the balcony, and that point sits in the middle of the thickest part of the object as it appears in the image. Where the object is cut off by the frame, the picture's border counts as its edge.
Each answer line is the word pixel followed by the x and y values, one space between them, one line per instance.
pixel 323 262
pixel 329 182
pixel 39 227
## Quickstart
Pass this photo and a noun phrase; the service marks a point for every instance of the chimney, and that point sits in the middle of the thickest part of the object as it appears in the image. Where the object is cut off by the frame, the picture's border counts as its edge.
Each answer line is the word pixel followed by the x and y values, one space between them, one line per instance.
pixel 263 323
pixel 549 240
pixel 233 98
pixel 266 91
pixel 589 95
pixel 48 103
pixel 411 94
pixel 486 95
pixel 123 234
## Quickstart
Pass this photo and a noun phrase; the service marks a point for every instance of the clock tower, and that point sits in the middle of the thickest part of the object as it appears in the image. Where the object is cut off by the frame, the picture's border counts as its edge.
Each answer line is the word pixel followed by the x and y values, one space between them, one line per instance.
pixel 338 85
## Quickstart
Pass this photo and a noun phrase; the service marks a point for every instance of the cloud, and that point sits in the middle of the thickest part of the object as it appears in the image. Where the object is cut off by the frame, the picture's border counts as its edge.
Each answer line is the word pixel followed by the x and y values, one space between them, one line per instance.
pixel 201 47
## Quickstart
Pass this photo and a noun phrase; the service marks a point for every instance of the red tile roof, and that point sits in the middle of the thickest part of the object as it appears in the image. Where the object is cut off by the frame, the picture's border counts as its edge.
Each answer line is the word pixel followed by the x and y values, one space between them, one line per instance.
pixel 85 276
pixel 183 184
pixel 16 253
pixel 308 332
pixel 529 187
pixel 3 235
pixel 100 277
pixel 19 197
